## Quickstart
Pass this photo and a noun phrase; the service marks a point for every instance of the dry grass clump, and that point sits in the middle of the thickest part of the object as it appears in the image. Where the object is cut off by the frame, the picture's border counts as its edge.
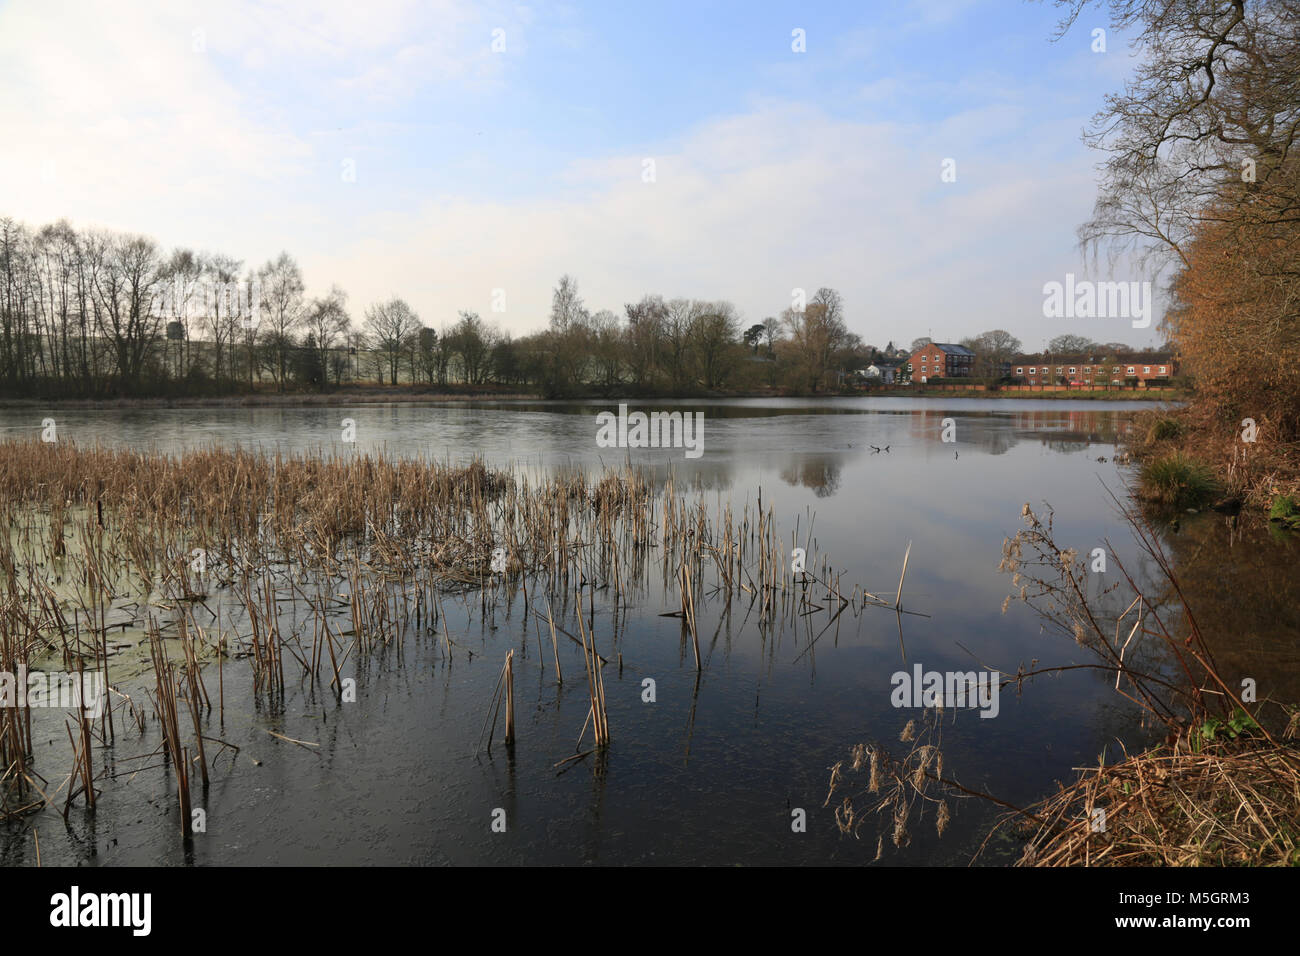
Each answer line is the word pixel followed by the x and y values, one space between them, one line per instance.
pixel 897 790
pixel 1234 803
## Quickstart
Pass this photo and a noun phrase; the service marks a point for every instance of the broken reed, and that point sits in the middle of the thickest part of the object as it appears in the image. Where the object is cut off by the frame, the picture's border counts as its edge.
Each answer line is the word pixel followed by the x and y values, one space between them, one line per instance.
pixel 354 550
pixel 165 687
pixel 503 692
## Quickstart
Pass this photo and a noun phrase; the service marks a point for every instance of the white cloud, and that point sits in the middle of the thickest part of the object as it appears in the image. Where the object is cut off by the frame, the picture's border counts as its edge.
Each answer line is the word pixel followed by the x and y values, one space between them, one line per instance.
pixel 234 147
pixel 746 208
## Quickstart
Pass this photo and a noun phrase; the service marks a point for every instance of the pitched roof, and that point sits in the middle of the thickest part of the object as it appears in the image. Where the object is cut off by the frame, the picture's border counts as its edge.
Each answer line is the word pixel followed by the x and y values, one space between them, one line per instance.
pixel 953 349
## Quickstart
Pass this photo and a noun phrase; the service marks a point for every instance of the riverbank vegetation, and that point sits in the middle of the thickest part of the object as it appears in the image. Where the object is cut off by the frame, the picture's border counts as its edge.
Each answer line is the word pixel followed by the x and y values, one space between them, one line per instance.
pixel 1176 481
pixel 1202 183
pixel 1221 789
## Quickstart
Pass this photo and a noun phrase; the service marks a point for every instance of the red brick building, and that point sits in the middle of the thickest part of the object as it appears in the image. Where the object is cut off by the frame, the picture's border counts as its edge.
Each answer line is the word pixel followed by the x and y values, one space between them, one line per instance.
pixel 940 360
pixel 1091 370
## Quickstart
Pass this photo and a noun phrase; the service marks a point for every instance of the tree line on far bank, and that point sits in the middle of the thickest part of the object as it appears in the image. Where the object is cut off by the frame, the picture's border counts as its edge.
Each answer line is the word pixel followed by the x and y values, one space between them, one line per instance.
pixel 92 313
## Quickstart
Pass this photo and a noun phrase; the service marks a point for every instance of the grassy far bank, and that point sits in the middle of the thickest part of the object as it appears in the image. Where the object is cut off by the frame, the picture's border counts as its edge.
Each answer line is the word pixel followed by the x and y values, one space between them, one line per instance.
pixel 1074 395
pixel 376 394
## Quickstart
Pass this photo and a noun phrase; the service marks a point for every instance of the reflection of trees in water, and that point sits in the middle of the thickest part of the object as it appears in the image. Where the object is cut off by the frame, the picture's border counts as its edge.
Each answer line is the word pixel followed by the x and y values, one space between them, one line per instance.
pixel 1241 581
pixel 1067 444
pixel 688 476
pixel 996 441
pixel 820 474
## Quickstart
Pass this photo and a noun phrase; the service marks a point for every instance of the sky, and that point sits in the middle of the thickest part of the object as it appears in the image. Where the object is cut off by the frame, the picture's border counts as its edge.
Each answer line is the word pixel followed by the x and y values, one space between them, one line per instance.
pixel 465 155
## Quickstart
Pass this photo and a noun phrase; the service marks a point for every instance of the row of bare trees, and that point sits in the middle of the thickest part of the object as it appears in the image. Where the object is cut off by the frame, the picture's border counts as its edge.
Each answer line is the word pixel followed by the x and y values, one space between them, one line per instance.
pixel 681 346
pixel 671 346
pixel 92 313
pixel 75 307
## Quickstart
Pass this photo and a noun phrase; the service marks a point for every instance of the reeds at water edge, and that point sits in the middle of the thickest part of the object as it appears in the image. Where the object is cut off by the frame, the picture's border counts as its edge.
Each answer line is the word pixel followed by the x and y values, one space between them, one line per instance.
pixel 304 566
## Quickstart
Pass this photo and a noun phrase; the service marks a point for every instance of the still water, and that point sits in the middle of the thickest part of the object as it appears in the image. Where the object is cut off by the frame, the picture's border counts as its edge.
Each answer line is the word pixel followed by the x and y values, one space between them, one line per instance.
pixel 713 770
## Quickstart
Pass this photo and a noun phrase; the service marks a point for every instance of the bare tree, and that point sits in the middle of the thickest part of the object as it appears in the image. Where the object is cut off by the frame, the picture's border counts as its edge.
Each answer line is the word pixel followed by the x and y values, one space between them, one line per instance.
pixel 1068 344
pixel 816 334
pixel 327 322
pixel 183 280
pixel 645 334
pixel 471 341
pixel 607 350
pixel 391 323
pixel 1215 103
pixel 679 319
pixel 221 306
pixel 713 343
pixel 126 289
pixel 283 310
pixel 993 350
pixel 566 306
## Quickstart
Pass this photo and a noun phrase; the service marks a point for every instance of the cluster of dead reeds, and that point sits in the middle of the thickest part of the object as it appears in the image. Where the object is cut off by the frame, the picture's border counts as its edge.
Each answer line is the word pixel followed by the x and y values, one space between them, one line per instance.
pixel 305 565
pixel 874 783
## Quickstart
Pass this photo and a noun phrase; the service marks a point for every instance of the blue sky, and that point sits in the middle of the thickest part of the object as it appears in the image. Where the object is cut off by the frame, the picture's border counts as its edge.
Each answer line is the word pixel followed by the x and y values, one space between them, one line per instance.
pixel 238 130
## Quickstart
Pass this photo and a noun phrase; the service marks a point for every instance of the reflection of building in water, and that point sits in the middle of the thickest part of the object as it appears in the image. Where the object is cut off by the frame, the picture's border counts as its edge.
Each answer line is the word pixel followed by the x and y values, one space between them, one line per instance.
pixel 996 432
pixel 986 430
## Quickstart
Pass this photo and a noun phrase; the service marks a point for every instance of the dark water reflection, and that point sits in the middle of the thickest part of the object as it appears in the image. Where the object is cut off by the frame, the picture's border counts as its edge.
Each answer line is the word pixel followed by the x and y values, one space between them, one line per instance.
pixel 711 771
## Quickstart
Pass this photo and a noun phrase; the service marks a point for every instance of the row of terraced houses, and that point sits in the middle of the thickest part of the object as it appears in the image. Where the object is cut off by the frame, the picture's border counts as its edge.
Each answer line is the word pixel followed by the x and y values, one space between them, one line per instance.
pixel 940 360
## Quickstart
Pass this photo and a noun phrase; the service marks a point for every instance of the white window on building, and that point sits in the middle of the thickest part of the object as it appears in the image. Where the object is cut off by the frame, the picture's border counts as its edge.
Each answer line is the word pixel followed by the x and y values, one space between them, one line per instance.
pixel 1162 370
pixel 1131 370
pixel 1071 371
pixel 1020 371
pixel 1033 371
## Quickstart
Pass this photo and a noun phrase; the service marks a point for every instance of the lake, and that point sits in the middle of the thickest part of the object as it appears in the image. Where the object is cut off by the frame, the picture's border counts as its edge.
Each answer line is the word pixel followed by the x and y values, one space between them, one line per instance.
pixel 715 768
